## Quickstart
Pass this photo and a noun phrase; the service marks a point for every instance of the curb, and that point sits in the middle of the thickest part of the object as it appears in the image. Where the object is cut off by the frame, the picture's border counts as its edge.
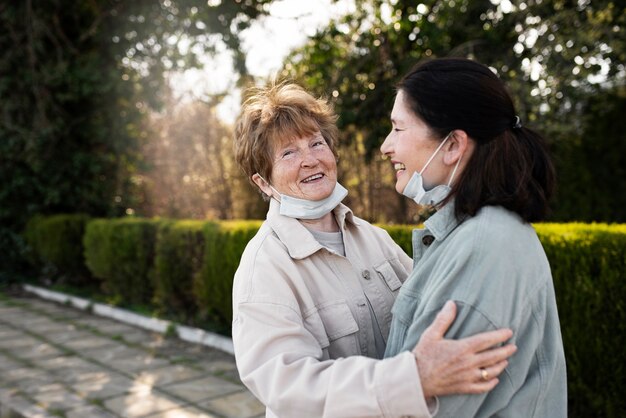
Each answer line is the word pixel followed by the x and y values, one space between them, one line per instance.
pixel 185 333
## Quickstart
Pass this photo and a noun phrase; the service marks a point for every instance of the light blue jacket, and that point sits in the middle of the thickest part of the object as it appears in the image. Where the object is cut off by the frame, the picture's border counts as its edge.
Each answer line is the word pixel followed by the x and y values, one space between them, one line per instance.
pixel 493 266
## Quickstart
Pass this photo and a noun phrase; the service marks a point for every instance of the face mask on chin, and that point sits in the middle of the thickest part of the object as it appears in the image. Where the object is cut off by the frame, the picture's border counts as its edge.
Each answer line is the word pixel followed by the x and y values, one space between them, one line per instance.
pixel 294 207
pixel 415 190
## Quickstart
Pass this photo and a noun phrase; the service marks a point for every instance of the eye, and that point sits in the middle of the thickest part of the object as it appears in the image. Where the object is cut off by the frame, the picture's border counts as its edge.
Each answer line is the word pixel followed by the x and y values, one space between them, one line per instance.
pixel 319 143
pixel 286 153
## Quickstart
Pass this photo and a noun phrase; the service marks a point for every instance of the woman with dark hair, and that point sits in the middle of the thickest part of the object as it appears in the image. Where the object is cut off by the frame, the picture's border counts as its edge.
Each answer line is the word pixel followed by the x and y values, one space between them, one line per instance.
pixel 479 177
pixel 313 293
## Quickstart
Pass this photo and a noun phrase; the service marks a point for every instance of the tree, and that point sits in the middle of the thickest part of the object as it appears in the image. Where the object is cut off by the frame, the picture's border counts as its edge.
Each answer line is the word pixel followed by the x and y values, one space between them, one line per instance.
pixel 555 56
pixel 188 168
pixel 76 81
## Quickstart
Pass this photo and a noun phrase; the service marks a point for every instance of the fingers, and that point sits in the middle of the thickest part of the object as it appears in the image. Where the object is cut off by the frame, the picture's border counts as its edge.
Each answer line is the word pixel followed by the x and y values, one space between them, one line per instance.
pixel 482 387
pixel 442 321
pixel 495 355
pixel 484 340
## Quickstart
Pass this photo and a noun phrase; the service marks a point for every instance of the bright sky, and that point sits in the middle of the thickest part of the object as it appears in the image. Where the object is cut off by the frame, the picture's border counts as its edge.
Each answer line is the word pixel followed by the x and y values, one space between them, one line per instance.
pixel 266 43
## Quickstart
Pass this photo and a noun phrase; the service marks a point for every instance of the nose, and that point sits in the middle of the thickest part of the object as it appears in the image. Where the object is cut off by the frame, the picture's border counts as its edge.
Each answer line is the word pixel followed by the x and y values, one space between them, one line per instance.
pixel 309 159
pixel 387 146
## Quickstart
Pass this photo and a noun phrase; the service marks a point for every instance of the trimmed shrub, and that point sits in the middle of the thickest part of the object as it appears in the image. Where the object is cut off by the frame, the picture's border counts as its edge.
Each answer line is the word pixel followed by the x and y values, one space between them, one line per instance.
pixel 213 285
pixel 56 247
pixel 402 235
pixel 195 263
pixel 179 251
pixel 121 253
pixel 588 262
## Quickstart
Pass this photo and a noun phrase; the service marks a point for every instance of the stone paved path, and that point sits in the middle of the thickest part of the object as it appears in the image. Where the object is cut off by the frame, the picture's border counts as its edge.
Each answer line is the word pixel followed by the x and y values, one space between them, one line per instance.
pixel 57 361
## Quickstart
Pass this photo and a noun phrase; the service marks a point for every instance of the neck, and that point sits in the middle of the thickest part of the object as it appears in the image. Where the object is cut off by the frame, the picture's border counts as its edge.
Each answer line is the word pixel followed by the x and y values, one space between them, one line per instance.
pixel 326 223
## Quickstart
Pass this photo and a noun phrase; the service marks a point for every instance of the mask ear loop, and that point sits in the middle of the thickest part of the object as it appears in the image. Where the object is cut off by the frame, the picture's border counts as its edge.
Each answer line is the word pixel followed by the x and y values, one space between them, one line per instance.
pixel 435 153
pixel 454 171
pixel 271 187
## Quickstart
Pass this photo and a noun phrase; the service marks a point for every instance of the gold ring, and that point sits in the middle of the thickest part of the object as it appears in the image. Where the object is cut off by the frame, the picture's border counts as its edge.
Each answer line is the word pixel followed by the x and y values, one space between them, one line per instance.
pixel 484 374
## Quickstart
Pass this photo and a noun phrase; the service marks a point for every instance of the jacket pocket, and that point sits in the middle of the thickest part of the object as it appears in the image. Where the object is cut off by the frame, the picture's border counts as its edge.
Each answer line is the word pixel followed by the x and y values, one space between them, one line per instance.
pixel 330 322
pixel 389 276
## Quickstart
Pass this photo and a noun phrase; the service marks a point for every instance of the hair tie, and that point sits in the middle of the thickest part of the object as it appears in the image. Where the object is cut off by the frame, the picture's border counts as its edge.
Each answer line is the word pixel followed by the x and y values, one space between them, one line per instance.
pixel 517 123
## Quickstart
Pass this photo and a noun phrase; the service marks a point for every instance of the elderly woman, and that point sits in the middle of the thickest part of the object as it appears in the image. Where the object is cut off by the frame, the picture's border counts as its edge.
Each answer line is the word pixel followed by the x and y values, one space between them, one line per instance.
pixel 312 296
pixel 462 154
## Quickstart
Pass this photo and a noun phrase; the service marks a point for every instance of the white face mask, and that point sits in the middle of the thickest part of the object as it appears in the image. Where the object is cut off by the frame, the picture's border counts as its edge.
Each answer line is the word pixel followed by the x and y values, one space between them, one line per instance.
pixel 297 208
pixel 415 190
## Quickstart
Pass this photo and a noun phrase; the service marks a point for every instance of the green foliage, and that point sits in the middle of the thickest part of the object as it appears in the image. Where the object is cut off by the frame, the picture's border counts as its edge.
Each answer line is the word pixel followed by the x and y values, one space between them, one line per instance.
pixel 76 82
pixel 588 264
pixel 179 250
pixel 225 243
pixel 195 263
pixel 120 252
pixel 402 235
pixel 562 61
pixel 56 243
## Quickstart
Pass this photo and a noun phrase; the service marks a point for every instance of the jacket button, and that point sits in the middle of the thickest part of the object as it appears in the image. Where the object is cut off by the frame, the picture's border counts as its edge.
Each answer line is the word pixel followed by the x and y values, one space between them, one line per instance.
pixel 365 274
pixel 427 240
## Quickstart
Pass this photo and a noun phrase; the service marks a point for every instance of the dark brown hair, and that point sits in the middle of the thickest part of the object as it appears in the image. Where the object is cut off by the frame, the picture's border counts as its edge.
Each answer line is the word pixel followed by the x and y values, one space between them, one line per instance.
pixel 510 165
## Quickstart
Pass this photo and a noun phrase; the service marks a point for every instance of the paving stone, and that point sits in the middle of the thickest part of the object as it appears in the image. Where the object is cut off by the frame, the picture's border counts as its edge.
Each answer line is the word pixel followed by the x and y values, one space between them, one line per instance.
pixel 58 400
pixel 168 374
pixel 127 359
pixel 11 402
pixel 7 363
pixel 136 336
pixel 140 404
pixel 35 383
pixel 107 354
pixel 89 343
pixel 219 366
pixel 100 385
pixel 42 388
pixel 201 389
pixel 7 311
pixel 103 324
pixel 7 333
pixel 68 369
pixel 68 335
pixel 39 350
pixel 236 405
pixel 183 413
pixel 23 319
pixel 107 378
pixel 48 326
pixel 17 342
pixel 25 373
pixel 89 411
pixel 39 303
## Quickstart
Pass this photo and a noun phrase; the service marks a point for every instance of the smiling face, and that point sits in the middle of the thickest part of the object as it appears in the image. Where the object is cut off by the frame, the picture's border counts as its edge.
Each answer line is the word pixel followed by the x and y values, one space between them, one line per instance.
pixel 304 168
pixel 409 145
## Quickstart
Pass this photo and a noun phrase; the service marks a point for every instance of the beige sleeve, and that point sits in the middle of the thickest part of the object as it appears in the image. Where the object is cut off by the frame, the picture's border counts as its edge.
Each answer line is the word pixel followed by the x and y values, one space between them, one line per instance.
pixel 279 361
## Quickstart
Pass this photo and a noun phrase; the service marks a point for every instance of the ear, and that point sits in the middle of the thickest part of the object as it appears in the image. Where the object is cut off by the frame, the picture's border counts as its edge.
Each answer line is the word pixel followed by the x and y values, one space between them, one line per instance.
pixel 459 144
pixel 262 184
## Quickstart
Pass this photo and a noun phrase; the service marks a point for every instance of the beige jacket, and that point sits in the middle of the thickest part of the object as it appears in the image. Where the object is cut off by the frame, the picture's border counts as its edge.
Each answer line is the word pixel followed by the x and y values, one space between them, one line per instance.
pixel 302 328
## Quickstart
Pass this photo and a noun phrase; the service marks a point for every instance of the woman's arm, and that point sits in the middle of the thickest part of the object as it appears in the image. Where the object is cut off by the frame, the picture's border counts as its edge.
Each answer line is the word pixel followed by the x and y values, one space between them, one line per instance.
pixel 279 360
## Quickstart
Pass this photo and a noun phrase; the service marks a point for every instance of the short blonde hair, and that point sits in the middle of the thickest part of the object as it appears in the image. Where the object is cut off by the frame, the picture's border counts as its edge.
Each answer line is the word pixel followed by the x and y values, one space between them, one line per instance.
pixel 273 115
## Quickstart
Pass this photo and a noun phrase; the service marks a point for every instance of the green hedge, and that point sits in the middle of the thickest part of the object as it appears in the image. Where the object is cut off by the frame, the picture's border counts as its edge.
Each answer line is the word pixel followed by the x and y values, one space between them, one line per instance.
pixel 179 256
pixel 213 285
pixel 56 247
pixel 588 264
pixel 185 270
pixel 120 252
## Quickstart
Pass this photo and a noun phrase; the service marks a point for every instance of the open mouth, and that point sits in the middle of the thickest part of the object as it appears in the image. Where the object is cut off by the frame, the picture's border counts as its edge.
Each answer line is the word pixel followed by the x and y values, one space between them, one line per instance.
pixel 313 178
pixel 399 167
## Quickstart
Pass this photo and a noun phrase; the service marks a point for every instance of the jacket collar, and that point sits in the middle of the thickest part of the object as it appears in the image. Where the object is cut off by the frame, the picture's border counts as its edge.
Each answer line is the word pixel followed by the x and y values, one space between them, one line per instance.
pixel 298 240
pixel 442 222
